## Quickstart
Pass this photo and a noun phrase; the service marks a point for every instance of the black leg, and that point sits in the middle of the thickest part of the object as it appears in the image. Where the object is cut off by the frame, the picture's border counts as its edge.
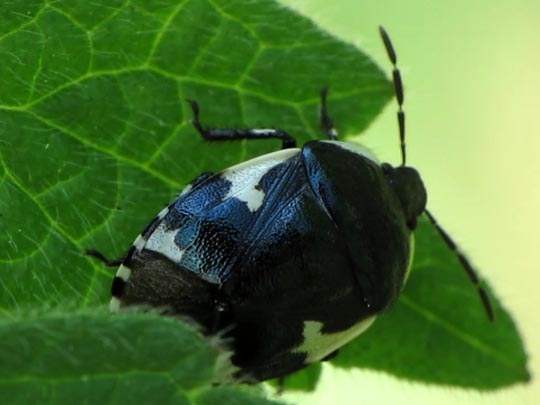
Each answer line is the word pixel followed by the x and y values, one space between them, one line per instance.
pixel 232 134
pixel 100 257
pixel 465 264
pixel 326 122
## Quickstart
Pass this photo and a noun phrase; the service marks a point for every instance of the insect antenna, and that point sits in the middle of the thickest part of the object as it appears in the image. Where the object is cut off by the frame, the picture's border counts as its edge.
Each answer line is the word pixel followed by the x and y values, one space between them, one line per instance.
pixel 398 89
pixel 465 264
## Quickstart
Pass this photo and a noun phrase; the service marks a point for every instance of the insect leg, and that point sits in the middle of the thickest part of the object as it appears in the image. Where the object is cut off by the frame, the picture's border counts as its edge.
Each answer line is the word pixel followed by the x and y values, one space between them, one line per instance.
pixel 232 134
pixel 326 122
pixel 465 264
pixel 100 257
pixel 398 89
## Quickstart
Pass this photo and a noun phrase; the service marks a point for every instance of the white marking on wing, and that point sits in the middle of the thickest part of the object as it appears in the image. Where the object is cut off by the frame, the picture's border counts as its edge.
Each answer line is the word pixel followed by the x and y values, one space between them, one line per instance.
pixel 318 345
pixel 245 177
pixel 250 195
pixel 162 241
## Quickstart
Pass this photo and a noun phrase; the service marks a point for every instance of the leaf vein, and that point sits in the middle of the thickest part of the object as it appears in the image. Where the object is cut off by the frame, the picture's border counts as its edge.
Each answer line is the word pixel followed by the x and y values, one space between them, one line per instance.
pixel 453 330
pixel 166 23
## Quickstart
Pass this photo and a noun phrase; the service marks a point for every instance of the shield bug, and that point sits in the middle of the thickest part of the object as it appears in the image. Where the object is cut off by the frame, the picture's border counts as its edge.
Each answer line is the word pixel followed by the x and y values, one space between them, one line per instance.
pixel 292 254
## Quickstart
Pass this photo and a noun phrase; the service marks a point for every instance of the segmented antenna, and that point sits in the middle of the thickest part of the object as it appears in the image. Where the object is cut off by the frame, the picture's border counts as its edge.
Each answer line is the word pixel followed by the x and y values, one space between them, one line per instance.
pixel 465 264
pixel 398 89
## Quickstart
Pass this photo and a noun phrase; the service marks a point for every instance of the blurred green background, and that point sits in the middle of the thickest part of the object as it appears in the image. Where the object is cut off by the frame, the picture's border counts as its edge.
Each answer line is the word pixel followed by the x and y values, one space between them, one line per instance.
pixel 472 89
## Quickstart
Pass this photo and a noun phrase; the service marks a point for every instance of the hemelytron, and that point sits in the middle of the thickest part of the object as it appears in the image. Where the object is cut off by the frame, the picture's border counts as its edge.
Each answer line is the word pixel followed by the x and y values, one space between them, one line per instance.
pixel 293 253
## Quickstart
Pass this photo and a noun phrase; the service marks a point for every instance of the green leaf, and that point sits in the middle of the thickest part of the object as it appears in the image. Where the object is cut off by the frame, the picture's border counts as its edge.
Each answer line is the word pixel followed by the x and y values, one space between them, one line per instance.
pixel 230 396
pixel 95 137
pixel 95 358
pixel 304 380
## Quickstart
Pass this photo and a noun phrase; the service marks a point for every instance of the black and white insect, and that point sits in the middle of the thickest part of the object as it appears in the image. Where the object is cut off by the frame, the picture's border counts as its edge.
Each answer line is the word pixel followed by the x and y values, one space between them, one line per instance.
pixel 292 254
